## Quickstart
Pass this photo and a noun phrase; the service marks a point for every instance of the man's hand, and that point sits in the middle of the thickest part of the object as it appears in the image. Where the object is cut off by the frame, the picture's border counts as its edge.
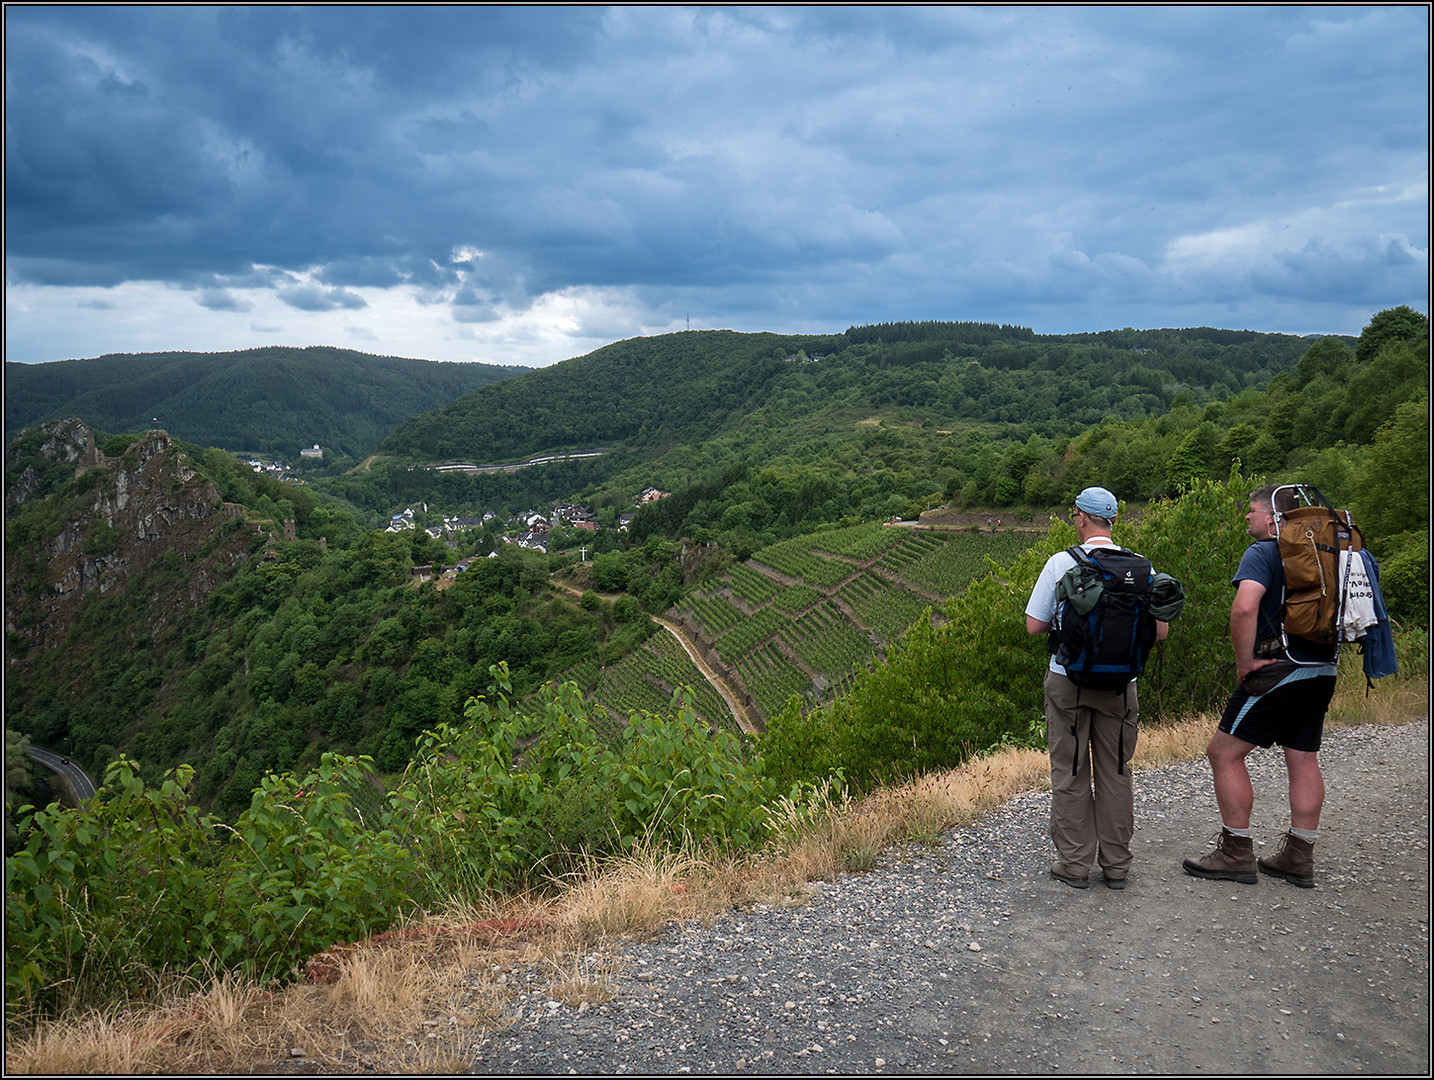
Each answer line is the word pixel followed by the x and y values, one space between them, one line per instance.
pixel 1244 614
pixel 1243 672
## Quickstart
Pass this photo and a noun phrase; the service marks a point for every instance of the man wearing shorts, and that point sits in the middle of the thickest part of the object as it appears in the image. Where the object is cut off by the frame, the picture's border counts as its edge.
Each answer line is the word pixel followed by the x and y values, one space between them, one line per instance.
pixel 1282 698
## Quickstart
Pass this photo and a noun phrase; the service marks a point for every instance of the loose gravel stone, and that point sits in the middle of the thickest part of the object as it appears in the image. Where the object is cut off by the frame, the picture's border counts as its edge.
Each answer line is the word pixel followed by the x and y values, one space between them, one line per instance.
pixel 967 957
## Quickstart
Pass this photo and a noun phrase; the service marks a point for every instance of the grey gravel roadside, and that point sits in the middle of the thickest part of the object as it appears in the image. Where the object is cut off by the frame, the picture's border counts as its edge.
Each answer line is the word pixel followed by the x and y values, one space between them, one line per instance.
pixel 966 957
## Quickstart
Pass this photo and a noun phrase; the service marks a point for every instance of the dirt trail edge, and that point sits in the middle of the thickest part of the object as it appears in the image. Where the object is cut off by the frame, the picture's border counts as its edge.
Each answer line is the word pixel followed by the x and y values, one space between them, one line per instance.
pixel 966 957
pixel 739 711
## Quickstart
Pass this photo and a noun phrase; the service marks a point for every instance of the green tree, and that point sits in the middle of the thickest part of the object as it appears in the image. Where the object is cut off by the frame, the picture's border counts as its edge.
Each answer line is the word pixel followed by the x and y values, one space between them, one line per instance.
pixel 1393 509
pixel 1194 458
pixel 19 776
pixel 1401 323
pixel 1329 356
pixel 1235 443
pixel 1399 372
pixel 1394 486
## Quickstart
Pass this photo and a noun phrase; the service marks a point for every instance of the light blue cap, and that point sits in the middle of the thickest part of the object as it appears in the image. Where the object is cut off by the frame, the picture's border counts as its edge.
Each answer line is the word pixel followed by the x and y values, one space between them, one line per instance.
pixel 1097 501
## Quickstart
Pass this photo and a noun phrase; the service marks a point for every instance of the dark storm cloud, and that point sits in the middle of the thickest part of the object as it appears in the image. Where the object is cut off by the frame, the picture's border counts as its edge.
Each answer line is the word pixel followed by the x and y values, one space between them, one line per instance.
pixel 317 298
pixel 781 166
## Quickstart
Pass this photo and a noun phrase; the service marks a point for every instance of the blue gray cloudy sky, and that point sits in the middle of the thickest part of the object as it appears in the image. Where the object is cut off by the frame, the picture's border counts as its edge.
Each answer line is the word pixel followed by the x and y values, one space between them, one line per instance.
pixel 522 185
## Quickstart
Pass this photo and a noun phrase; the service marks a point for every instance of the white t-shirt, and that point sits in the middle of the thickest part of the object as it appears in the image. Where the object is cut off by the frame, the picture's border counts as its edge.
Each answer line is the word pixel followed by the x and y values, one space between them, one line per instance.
pixel 1042 605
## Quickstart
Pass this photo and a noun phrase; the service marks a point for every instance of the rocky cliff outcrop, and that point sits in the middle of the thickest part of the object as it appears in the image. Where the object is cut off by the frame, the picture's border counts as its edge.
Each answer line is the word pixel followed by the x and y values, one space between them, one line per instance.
pixel 117 517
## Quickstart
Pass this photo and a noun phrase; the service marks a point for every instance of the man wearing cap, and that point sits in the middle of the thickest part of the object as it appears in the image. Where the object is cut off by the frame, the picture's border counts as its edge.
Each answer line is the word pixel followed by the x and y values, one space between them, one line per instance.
pixel 1087 825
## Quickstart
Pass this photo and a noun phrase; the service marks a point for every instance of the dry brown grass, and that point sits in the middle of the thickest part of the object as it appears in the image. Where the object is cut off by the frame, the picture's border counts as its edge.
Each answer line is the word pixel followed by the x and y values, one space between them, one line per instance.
pixel 422 999
pixel 193 1030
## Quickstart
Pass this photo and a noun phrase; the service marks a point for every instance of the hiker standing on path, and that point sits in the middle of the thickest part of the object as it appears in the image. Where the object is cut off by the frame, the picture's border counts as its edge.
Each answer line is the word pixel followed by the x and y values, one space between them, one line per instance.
pixel 1282 698
pixel 1087 825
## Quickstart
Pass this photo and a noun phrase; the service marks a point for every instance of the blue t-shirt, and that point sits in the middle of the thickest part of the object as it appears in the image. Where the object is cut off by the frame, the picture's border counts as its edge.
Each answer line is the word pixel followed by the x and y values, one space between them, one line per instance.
pixel 1261 562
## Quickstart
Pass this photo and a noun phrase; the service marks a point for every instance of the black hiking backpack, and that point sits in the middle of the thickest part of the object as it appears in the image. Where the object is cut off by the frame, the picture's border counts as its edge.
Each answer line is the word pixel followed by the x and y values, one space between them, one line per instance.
pixel 1104 627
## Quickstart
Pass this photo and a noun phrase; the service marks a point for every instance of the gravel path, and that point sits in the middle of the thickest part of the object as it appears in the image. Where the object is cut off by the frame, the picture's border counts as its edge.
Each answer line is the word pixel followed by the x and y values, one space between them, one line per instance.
pixel 968 958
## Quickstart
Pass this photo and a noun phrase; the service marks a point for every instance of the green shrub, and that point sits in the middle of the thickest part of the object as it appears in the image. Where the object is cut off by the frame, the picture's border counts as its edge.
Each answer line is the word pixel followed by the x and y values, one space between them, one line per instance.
pixel 116 445
pixel 1404 577
pixel 1197 538
pixel 138 878
pixel 509 794
pixel 103 539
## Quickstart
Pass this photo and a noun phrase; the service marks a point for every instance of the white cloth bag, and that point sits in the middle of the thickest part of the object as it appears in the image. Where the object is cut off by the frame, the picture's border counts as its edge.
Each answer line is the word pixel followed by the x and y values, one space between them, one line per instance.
pixel 1357 612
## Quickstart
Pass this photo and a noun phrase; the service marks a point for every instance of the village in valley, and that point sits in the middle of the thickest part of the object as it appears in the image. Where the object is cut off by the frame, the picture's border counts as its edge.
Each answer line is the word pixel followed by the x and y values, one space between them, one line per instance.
pixel 462 533
pixel 530 529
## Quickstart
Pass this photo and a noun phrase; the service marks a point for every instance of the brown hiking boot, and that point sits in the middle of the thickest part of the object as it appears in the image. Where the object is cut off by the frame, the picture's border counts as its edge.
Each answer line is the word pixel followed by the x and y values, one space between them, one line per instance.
pixel 1232 860
pixel 1294 861
pixel 1071 875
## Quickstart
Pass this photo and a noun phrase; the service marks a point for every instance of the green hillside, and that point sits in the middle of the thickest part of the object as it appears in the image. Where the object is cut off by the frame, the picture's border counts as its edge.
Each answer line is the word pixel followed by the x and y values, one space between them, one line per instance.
pixel 274 401
pixel 188 630
pixel 768 549
pixel 687 387
pixel 819 429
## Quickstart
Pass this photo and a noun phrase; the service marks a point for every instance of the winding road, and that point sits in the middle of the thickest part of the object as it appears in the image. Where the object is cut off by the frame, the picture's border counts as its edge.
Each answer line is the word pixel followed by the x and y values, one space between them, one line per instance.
pixel 739 711
pixel 79 787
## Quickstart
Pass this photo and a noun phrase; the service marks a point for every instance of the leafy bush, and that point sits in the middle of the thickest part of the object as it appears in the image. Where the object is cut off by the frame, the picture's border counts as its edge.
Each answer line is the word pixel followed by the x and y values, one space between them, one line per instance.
pixel 1197 538
pixel 1404 578
pixel 509 793
pixel 116 445
pixel 138 879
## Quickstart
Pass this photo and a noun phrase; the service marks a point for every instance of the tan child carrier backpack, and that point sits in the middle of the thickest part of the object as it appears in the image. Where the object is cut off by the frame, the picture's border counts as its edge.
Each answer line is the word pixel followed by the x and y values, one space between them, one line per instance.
pixel 1311 536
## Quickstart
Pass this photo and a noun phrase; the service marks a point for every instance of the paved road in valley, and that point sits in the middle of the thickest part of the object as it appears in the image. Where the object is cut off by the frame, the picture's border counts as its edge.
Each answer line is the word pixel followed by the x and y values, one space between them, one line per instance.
pixel 78 786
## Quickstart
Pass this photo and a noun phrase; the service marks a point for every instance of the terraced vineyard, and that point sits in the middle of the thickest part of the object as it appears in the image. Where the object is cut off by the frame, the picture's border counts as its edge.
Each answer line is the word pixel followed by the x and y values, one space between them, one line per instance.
pixel 883 606
pixel 645 679
pixel 797 559
pixel 715 613
pixel 821 604
pixel 947 568
pixel 829 644
pixel 751 586
pixel 751 632
pixel 860 542
pixel 770 677
pixel 797 598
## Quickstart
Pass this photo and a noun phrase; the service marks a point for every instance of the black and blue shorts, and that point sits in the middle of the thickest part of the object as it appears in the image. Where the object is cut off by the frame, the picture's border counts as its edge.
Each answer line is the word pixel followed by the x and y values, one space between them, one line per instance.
pixel 1290 713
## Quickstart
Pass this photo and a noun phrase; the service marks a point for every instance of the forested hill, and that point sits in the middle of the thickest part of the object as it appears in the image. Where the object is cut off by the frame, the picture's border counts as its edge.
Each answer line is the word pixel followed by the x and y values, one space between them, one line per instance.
pixel 274 400
pixel 861 424
pixel 641 391
pixel 684 387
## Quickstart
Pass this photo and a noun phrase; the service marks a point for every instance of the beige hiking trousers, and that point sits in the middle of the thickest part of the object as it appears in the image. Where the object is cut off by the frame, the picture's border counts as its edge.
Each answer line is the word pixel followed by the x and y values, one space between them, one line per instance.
pixel 1091 735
